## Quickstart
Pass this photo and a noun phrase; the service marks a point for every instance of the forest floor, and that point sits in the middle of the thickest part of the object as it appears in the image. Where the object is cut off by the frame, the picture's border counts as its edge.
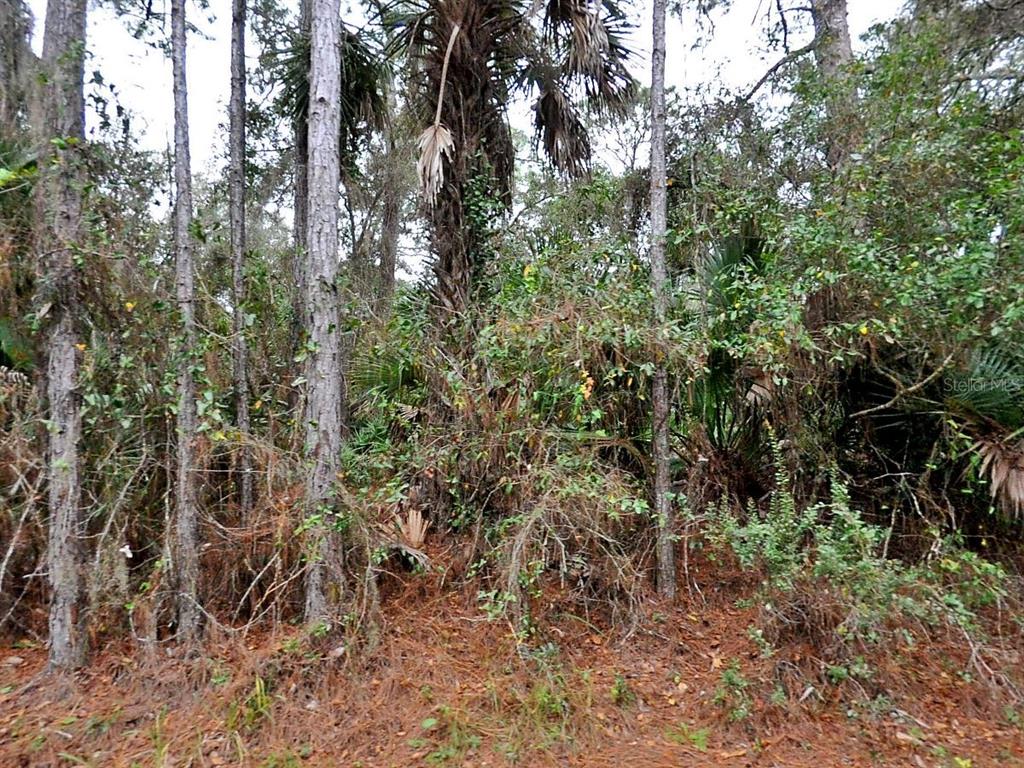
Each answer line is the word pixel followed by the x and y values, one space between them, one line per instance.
pixel 444 686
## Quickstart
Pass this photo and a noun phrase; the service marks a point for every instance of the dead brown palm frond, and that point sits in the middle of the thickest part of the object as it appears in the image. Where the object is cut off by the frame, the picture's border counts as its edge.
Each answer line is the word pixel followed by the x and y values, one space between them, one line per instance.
pixel 436 142
pixel 590 44
pixel 562 132
pixel 1003 463
pixel 595 53
pixel 413 528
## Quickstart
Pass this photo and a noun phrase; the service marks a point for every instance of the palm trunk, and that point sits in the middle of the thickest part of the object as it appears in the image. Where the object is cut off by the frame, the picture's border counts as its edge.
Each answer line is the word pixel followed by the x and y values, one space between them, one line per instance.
pixel 186 520
pixel 659 288
pixel 240 350
pixel 61 115
pixel 324 374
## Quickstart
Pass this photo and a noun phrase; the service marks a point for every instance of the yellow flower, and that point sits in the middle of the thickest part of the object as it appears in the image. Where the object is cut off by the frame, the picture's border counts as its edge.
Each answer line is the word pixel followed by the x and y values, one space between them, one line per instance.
pixel 129 305
pixel 257 405
pixel 863 330
pixel 80 347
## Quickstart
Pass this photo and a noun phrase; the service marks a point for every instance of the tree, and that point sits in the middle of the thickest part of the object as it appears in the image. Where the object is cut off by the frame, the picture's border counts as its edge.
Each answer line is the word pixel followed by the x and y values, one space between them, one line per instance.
pixel 659 290
pixel 300 223
pixel 471 57
pixel 186 505
pixel 833 52
pixel 362 107
pixel 324 374
pixel 236 185
pixel 62 132
pixel 15 59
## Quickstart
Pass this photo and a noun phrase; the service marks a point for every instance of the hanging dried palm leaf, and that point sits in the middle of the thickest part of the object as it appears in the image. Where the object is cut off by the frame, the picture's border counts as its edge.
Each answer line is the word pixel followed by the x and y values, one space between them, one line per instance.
pixel 436 142
pixel 1003 462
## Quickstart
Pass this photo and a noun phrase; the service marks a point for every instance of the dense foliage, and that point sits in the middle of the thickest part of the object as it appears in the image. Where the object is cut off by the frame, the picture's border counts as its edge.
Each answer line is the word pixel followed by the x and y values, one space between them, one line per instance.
pixel 843 345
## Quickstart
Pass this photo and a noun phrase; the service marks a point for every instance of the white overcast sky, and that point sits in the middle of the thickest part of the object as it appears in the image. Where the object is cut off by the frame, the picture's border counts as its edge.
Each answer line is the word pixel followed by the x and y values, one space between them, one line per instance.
pixel 735 57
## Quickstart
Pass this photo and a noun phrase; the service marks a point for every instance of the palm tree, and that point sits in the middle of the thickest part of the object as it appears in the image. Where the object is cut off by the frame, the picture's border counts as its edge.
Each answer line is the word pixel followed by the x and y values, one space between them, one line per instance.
pixel 469 59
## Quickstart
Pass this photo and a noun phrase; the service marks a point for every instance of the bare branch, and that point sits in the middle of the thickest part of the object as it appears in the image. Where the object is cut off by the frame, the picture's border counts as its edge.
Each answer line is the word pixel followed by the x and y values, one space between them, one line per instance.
pixel 789 58
pixel 908 391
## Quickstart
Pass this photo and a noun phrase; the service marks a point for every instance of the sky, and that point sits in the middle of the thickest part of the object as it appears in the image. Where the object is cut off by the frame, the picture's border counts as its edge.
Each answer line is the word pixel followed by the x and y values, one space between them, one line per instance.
pixel 735 56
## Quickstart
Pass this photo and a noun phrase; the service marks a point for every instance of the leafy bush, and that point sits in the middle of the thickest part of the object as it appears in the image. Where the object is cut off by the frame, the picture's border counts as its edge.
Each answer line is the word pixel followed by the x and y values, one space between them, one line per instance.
pixel 827 580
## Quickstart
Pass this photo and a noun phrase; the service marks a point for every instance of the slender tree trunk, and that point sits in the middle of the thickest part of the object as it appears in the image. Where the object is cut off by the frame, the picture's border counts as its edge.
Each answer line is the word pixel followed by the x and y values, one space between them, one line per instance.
pixel 300 224
pixel 391 223
pixel 240 350
pixel 324 374
pixel 659 289
pixel 833 52
pixel 186 520
pixel 61 115
pixel 391 227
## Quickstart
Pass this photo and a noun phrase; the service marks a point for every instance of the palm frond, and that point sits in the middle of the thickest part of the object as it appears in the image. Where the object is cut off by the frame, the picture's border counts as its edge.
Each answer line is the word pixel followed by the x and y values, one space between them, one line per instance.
pixel 436 142
pixel 562 132
pixel 1003 463
pixel 413 528
pixel 364 78
pixel 435 145
pixel 991 387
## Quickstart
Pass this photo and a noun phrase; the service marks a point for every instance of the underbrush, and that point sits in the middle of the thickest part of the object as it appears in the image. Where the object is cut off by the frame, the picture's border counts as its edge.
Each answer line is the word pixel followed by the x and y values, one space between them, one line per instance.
pixel 829 588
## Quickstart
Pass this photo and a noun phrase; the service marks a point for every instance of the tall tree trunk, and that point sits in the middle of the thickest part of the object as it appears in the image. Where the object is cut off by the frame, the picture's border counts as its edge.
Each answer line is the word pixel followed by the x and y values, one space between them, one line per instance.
pixel 390 229
pixel 659 289
pixel 300 224
pixel 62 116
pixel 833 52
pixel 240 350
pixel 15 60
pixel 186 520
pixel 324 374
pixel 391 223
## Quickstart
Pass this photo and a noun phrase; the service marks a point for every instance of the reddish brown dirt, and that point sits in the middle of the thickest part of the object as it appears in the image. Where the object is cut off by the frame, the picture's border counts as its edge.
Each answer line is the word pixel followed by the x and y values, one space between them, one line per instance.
pixel 447 687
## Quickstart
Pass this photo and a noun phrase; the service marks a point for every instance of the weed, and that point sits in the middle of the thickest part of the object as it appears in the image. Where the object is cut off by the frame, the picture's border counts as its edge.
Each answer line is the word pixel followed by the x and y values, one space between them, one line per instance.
pixel 451 736
pixel 250 711
pixel 622 694
pixel 732 694
pixel 684 734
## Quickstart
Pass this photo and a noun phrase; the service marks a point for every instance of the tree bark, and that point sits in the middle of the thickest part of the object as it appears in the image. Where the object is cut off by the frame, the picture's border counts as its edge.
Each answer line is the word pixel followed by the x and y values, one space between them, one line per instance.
pixel 62 116
pixel 391 223
pixel 186 521
pixel 833 52
pixel 300 223
pixel 324 373
pixel 236 129
pixel 15 60
pixel 666 577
